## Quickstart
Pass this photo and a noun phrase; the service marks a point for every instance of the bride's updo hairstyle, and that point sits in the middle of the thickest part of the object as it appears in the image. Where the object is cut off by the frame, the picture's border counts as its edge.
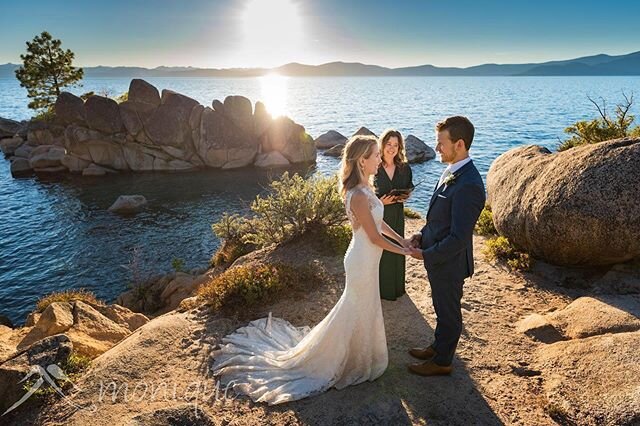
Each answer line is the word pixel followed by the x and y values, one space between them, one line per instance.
pixel 350 172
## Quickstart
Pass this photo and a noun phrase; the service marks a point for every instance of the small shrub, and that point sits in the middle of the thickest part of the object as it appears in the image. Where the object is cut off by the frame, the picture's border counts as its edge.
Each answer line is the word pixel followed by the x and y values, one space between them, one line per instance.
pixel 485 225
pixel 500 249
pixel 122 98
pixel 47 115
pixel 73 367
pixel 86 95
pixel 293 207
pixel 228 252
pixel 335 239
pixel 558 414
pixel 76 364
pixel 412 214
pixel 66 296
pixel 603 128
pixel 177 264
pixel 245 286
pixel 231 229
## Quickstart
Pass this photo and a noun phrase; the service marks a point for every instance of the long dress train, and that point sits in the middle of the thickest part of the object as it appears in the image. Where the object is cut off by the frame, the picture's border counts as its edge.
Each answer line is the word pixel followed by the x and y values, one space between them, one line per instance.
pixel 272 361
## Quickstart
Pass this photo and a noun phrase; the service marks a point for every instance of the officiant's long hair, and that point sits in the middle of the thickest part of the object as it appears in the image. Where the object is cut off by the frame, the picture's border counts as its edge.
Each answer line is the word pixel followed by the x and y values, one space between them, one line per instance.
pixel 400 158
pixel 350 173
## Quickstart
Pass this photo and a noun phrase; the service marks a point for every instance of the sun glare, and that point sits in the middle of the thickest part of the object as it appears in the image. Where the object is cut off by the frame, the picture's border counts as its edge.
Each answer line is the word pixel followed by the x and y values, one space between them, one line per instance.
pixel 273 31
pixel 274 94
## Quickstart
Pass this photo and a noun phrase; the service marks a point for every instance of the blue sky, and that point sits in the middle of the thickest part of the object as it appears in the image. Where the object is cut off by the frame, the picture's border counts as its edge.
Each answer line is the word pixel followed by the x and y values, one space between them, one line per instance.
pixel 248 33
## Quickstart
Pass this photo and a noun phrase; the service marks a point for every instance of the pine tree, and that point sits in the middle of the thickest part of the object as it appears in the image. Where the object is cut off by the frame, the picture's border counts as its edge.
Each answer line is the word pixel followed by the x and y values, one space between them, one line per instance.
pixel 46 69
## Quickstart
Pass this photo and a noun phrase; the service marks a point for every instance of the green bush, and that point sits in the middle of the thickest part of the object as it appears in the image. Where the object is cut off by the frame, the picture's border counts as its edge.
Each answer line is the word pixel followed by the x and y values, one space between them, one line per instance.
pixel 603 128
pixel 500 249
pixel 294 206
pixel 335 239
pixel 76 364
pixel 66 296
pixel 46 115
pixel 87 95
pixel 485 225
pixel 228 252
pixel 122 98
pixel 232 230
pixel 73 367
pixel 177 264
pixel 412 214
pixel 245 286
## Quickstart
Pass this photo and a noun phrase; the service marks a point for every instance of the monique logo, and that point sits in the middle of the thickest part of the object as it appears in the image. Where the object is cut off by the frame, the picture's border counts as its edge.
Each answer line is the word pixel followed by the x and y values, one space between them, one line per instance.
pixel 195 392
pixel 45 375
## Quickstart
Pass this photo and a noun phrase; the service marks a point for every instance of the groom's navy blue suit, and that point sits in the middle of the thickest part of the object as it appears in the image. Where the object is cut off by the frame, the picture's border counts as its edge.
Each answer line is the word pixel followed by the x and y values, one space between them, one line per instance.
pixel 447 250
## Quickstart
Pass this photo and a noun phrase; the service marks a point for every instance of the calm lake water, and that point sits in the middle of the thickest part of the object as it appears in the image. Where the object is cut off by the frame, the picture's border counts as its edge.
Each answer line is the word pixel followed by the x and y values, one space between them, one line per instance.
pixel 58 234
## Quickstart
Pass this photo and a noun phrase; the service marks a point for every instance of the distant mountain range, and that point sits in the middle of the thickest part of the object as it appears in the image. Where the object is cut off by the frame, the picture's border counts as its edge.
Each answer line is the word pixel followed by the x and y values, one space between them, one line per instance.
pixel 589 65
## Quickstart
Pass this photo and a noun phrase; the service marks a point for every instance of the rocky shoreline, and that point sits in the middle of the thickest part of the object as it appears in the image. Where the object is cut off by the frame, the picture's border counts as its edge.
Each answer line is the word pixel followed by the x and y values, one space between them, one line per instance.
pixel 555 344
pixel 164 132
pixel 544 347
pixel 153 131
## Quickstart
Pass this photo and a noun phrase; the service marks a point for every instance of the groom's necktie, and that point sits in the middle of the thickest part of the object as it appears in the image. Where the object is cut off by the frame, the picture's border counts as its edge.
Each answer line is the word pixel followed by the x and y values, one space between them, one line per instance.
pixel 444 176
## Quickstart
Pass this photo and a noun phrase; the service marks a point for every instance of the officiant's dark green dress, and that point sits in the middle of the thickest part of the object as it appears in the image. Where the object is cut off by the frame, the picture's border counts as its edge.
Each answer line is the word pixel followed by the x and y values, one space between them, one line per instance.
pixel 392 266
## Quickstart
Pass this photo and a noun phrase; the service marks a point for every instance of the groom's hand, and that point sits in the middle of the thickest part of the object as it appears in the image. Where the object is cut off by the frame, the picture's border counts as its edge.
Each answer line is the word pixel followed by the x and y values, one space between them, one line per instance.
pixel 416 240
pixel 416 253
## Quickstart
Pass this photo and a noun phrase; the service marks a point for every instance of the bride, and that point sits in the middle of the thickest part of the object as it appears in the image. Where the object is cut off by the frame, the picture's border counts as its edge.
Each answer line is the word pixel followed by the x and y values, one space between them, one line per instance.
pixel 272 361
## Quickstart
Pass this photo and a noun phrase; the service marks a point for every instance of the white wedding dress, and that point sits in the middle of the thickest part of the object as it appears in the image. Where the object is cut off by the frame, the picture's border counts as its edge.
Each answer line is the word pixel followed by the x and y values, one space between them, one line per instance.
pixel 272 361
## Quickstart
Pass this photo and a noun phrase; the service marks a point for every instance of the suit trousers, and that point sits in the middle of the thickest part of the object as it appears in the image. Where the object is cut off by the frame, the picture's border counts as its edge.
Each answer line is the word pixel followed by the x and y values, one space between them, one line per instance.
pixel 446 296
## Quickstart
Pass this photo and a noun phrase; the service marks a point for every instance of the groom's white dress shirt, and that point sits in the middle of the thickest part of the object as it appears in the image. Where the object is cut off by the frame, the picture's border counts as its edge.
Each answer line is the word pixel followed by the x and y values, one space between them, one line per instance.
pixel 451 169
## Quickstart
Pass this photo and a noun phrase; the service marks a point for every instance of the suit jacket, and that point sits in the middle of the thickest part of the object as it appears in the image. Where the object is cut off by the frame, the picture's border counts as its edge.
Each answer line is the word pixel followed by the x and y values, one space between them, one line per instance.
pixel 447 237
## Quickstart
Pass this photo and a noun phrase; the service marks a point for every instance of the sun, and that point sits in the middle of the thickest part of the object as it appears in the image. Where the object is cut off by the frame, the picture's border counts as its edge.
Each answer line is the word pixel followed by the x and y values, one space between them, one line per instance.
pixel 273 31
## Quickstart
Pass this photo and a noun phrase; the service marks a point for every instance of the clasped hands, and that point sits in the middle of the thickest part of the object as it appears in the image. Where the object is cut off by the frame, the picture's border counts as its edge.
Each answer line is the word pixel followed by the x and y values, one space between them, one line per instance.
pixel 412 245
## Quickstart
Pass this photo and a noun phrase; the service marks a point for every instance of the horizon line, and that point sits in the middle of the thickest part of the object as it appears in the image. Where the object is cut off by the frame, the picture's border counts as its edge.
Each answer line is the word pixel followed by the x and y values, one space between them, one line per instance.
pixel 341 62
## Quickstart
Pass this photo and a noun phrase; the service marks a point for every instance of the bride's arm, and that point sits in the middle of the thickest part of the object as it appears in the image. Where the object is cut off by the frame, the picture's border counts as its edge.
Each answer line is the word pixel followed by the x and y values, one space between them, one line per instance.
pixel 389 232
pixel 360 208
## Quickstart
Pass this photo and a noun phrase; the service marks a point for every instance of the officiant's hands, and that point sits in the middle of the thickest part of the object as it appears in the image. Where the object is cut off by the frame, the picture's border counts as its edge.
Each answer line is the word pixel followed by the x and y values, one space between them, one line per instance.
pixel 388 199
pixel 402 198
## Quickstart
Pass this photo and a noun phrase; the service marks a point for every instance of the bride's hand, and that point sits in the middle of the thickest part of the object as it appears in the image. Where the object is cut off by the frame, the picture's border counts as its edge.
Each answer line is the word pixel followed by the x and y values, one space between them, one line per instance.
pixel 406 243
pixel 406 251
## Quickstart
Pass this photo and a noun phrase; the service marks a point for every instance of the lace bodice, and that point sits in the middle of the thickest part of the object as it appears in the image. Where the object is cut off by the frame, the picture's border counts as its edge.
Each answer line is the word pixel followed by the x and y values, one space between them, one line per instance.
pixel 375 205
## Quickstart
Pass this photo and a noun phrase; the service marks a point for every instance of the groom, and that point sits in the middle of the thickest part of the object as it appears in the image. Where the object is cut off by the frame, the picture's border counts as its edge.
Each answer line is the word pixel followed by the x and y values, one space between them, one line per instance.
pixel 445 243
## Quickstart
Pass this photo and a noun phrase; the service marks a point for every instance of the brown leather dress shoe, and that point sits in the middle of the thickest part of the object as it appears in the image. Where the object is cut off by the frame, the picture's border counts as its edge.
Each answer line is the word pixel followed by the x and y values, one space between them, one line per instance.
pixel 422 353
pixel 430 368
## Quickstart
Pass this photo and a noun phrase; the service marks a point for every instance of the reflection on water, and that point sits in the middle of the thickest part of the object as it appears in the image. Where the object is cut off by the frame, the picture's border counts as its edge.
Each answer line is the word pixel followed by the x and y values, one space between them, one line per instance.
pixel 274 94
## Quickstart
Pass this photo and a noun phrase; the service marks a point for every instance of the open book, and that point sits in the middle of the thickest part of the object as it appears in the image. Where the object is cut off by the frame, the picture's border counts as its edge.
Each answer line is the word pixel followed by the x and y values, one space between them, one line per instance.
pixel 403 192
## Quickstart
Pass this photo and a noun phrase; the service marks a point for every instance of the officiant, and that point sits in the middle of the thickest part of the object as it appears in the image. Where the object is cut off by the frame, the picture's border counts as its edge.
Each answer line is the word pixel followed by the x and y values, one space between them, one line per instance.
pixel 394 172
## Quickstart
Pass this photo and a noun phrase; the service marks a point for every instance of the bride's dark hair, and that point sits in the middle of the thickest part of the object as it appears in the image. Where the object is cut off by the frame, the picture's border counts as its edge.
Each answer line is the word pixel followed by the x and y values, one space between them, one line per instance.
pixel 350 173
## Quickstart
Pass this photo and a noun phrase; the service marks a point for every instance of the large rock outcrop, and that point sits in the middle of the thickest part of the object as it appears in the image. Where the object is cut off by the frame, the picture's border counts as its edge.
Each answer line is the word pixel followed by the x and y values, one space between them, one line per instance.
pixel 590 374
pixel 330 139
pixel 576 207
pixel 156 132
pixel 54 350
pixel 418 151
pixel 93 328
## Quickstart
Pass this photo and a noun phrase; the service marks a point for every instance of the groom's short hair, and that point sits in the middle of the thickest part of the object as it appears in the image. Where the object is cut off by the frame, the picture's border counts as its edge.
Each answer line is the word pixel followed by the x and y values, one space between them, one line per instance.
pixel 459 127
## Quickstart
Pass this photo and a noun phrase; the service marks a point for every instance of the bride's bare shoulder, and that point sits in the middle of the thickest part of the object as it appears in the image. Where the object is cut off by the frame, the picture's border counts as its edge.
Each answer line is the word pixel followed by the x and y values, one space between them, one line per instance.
pixel 359 197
